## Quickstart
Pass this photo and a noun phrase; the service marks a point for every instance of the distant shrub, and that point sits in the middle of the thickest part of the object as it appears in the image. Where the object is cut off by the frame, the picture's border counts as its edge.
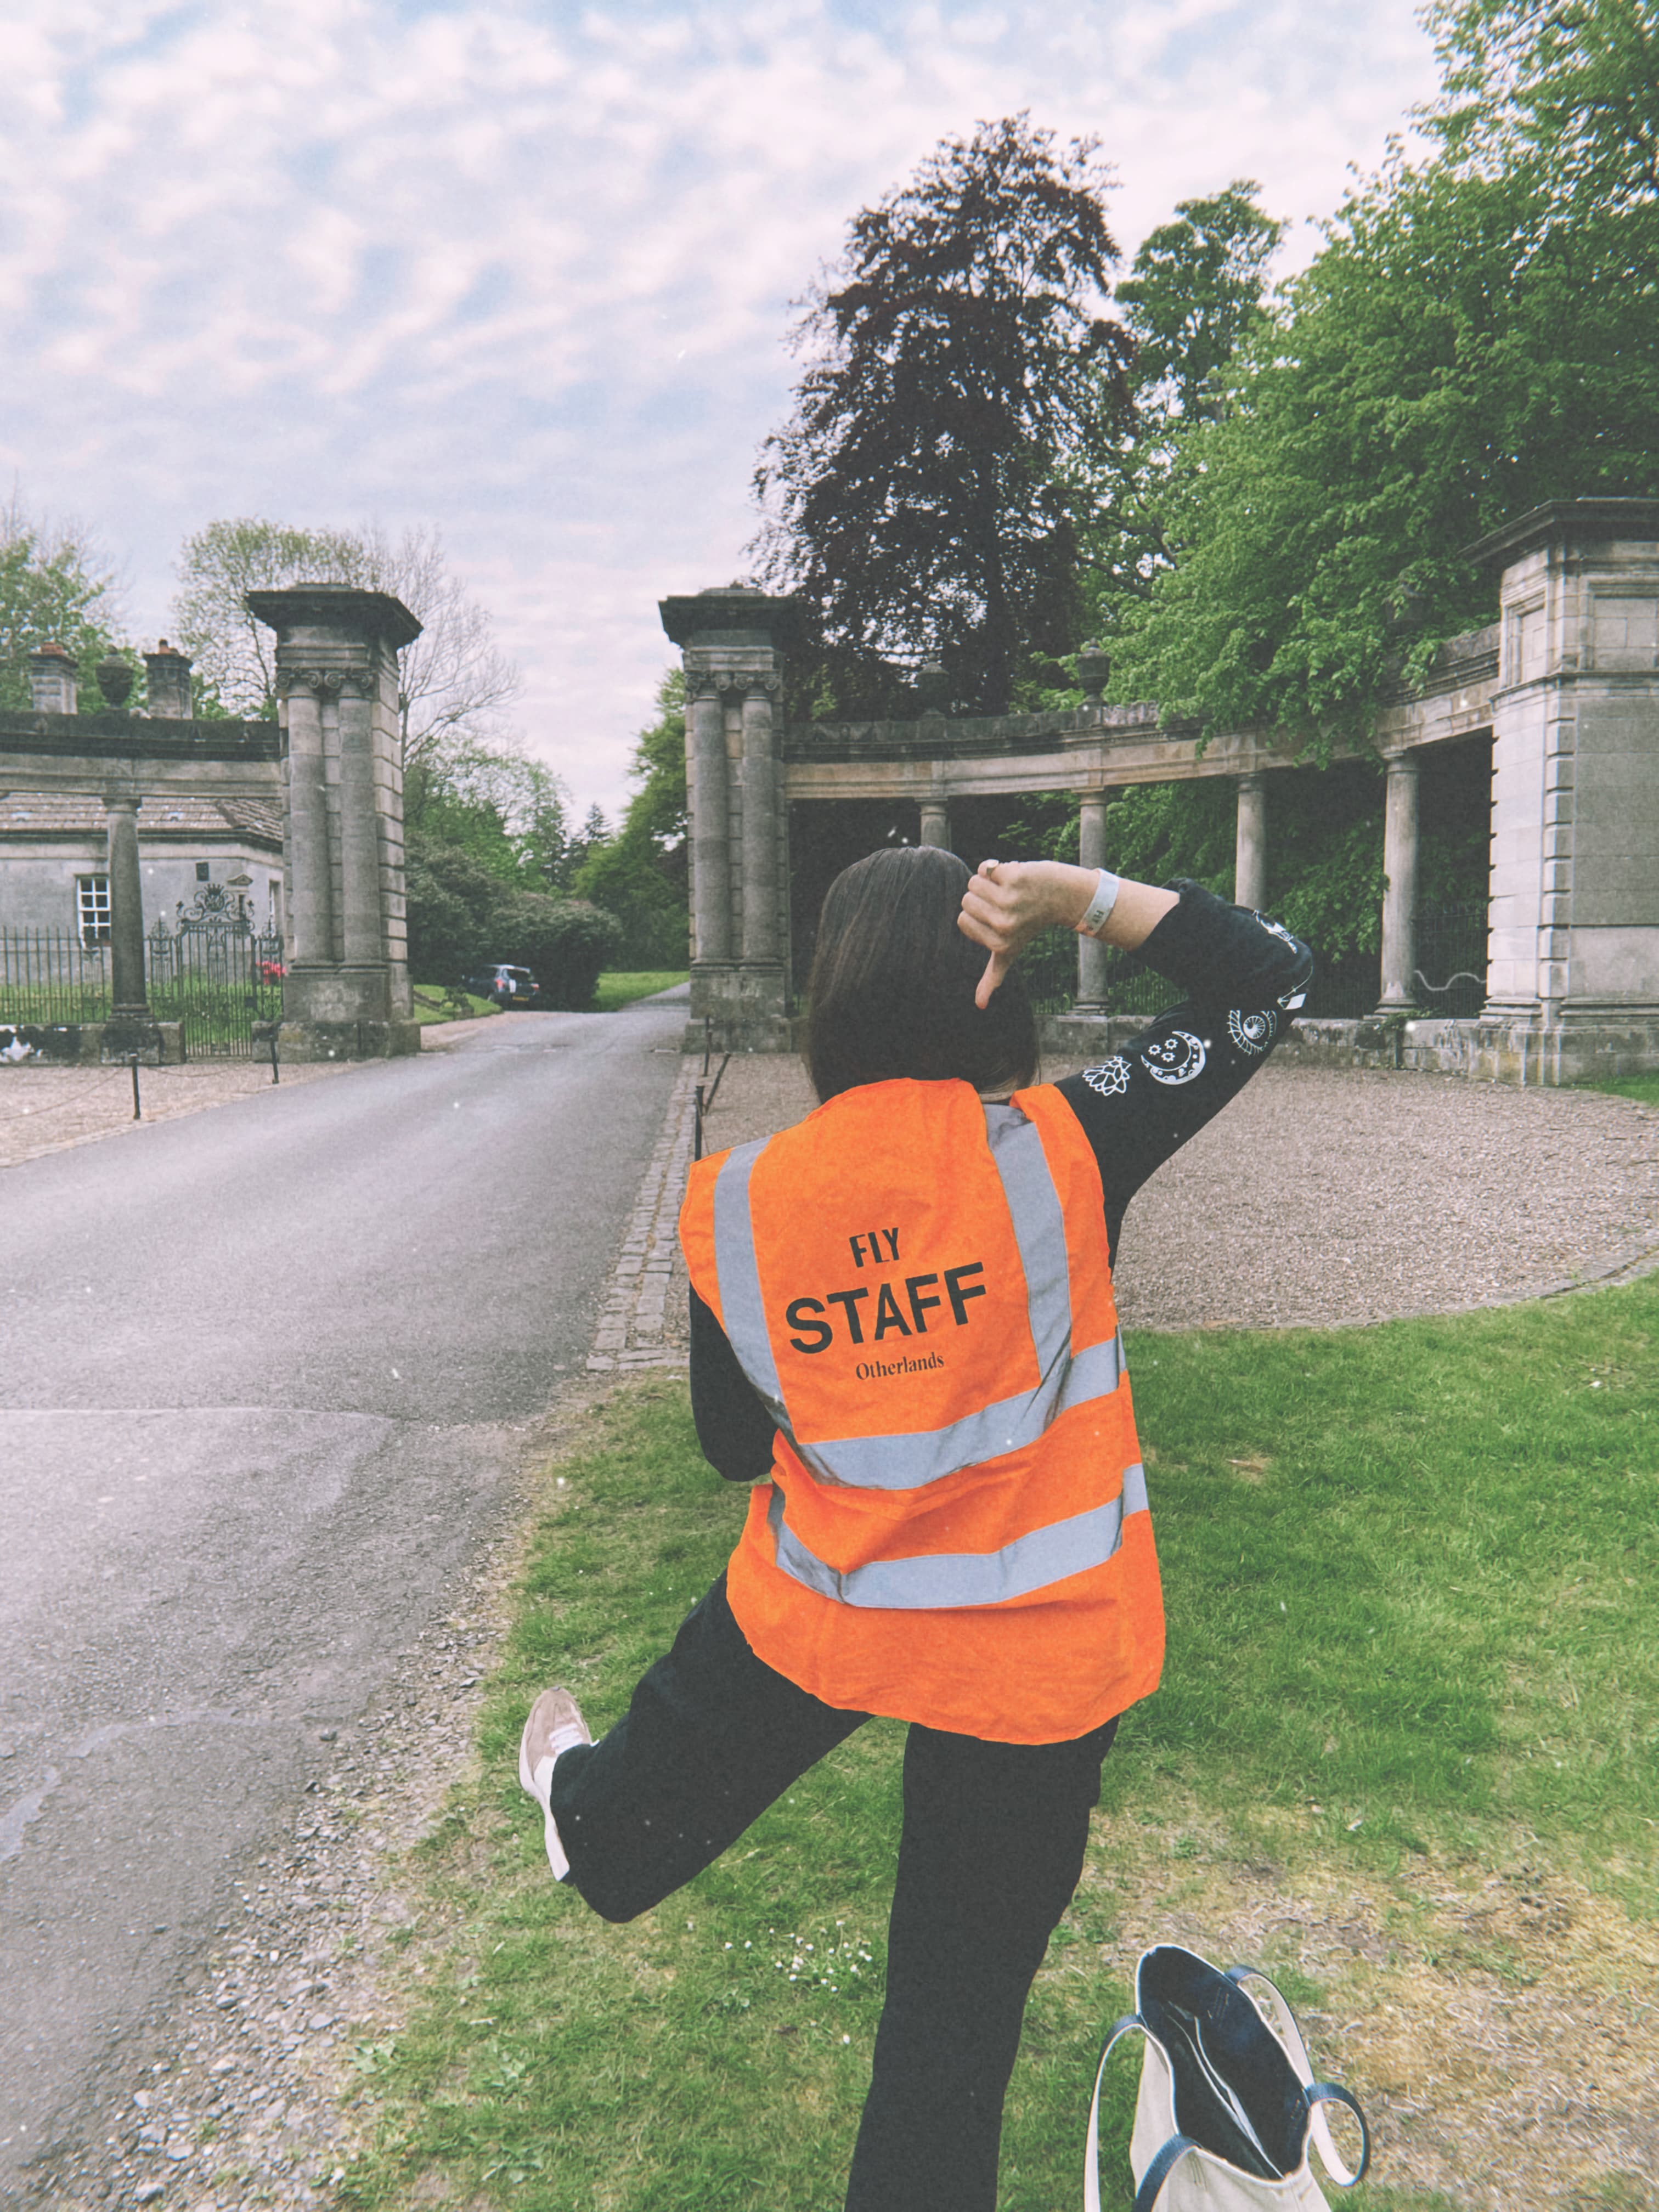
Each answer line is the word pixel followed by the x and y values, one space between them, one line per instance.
pixel 462 917
pixel 564 943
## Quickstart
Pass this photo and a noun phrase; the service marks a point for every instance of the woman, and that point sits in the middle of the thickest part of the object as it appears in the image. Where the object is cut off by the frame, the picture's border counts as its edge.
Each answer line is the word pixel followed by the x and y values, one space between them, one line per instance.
pixel 901 1313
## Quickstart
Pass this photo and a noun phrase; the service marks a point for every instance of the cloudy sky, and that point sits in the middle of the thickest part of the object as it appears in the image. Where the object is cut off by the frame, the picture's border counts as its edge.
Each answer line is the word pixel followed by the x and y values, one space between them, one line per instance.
pixel 522 270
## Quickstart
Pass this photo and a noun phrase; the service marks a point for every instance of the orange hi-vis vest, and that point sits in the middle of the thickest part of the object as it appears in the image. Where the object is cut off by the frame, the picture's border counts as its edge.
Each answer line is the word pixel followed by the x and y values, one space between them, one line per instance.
pixel 918 1286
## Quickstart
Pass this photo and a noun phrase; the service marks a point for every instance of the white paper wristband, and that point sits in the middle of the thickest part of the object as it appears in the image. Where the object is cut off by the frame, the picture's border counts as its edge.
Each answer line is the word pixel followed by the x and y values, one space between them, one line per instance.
pixel 1107 887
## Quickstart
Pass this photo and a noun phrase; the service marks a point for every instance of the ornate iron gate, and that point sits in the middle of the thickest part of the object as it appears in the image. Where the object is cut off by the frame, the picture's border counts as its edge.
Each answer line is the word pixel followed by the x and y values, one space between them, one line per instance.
pixel 214 973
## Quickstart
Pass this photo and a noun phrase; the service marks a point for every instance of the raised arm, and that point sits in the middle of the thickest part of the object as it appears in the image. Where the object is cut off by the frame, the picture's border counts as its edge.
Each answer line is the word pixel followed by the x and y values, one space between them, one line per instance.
pixel 1008 903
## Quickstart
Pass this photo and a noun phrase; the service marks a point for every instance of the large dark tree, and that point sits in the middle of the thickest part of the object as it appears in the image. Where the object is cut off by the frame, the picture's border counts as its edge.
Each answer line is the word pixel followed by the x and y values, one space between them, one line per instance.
pixel 928 495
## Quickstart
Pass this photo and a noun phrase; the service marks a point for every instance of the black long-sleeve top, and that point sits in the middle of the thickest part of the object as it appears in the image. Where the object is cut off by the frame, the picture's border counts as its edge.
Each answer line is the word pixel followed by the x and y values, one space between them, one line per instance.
pixel 1243 977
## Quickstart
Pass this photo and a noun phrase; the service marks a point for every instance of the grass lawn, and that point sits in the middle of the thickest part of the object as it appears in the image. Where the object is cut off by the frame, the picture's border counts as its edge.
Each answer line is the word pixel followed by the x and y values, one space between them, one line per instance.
pixel 433 1003
pixel 1405 1755
pixel 1644 1088
pixel 623 986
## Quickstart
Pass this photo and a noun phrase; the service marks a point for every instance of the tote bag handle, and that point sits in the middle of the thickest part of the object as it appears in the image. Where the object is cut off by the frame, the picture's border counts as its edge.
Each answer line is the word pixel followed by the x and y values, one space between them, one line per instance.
pixel 1091 2155
pixel 1282 2020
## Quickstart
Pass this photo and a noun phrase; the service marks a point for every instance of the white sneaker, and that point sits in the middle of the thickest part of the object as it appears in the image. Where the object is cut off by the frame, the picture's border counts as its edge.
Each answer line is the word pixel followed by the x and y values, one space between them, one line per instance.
pixel 555 1726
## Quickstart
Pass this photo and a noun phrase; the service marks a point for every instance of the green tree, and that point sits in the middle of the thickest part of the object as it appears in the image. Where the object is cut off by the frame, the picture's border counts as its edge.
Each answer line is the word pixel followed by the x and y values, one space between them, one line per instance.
pixel 463 916
pixel 451 683
pixel 510 813
pixel 1455 355
pixel 927 495
pixel 1193 295
pixel 1569 87
pixel 55 588
pixel 640 875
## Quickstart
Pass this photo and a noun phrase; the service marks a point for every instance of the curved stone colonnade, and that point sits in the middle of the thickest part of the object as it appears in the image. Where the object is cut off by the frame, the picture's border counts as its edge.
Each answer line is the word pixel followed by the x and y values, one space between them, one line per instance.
pixel 1566 683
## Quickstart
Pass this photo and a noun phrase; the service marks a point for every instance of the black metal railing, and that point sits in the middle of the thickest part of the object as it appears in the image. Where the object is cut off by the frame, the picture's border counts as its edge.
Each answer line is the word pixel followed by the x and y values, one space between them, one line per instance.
pixel 1450 976
pixel 216 980
pixel 1048 964
pixel 48 977
pixel 1451 958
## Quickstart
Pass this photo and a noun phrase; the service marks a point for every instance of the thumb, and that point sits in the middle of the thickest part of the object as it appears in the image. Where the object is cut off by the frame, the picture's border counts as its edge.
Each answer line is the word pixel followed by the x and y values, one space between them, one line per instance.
pixel 995 969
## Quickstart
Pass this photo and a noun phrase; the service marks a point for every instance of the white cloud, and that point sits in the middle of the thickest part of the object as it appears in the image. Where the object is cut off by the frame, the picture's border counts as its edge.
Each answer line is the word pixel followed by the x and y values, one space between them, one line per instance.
pixel 523 272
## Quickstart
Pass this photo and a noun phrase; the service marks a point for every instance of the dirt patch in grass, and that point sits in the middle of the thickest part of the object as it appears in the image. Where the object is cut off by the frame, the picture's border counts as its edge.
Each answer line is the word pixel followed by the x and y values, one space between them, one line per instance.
pixel 1500 2028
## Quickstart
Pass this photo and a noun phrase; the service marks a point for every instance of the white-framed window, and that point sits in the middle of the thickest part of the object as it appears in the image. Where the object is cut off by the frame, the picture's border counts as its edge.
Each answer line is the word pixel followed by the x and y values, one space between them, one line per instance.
pixel 92 909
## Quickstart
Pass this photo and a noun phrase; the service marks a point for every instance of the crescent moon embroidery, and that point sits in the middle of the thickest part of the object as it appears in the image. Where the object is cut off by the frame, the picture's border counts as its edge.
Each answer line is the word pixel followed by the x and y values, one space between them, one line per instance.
pixel 1177 1058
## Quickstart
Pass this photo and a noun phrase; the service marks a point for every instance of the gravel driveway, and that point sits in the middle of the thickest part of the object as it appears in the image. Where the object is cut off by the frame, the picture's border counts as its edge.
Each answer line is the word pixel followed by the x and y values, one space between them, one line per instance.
pixel 1329 1196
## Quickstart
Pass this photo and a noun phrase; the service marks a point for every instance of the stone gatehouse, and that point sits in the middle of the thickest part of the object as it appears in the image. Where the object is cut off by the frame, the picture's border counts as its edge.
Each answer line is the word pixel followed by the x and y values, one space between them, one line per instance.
pixel 309 807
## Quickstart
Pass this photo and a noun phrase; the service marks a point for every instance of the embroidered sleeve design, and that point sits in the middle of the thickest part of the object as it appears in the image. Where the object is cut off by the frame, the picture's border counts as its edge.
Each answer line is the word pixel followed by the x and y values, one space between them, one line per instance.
pixel 1253 1032
pixel 1176 1057
pixel 1110 1078
pixel 1274 928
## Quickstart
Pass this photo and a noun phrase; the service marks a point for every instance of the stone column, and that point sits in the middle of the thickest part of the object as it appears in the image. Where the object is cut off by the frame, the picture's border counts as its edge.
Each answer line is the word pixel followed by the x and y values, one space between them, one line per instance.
pixel 310 855
pixel 346 995
pixel 362 932
pixel 1250 851
pixel 936 823
pixel 1091 954
pixel 1399 893
pixel 732 643
pixel 760 823
pixel 128 1001
pixel 711 822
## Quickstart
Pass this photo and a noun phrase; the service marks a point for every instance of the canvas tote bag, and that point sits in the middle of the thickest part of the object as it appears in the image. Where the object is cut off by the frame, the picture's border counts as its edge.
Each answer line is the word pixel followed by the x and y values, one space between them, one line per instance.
pixel 1227 2108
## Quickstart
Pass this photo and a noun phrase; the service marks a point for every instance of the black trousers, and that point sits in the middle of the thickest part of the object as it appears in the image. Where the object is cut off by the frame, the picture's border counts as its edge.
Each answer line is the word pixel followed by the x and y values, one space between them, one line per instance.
pixel 991 1852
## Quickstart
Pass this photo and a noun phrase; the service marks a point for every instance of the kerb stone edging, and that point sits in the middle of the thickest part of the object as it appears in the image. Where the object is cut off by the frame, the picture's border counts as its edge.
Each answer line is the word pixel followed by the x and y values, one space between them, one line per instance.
pixel 630 1331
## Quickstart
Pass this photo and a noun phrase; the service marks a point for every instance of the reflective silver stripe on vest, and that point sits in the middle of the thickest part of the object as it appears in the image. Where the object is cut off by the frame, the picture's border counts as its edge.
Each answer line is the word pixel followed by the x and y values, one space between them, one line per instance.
pixel 741 1308
pixel 939 1581
pixel 906 1461
pixel 912 1459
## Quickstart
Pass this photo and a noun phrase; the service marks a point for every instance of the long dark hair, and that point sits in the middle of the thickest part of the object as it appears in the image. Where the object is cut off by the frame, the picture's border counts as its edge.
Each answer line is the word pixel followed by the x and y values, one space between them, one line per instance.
pixel 893 982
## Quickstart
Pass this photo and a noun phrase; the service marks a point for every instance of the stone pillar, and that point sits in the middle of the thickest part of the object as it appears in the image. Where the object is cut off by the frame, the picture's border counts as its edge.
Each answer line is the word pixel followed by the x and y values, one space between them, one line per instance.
pixel 362 938
pixel 761 932
pixel 310 857
pixel 168 684
pixel 1251 850
pixel 346 995
pixel 733 644
pixel 1399 889
pixel 54 686
pixel 706 786
pixel 128 999
pixel 936 823
pixel 1573 977
pixel 1091 954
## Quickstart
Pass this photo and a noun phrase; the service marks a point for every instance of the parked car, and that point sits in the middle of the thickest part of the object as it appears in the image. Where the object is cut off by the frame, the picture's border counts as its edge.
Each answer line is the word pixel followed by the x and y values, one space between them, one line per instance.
pixel 507 986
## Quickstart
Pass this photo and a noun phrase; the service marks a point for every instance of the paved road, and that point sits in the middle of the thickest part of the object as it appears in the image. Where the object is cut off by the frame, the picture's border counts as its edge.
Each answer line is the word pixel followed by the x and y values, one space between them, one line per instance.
pixel 259 1372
